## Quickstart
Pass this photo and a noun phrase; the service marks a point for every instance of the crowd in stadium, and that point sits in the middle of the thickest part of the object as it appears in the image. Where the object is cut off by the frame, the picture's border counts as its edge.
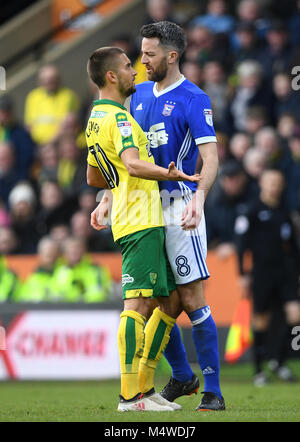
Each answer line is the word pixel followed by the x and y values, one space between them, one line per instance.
pixel 242 58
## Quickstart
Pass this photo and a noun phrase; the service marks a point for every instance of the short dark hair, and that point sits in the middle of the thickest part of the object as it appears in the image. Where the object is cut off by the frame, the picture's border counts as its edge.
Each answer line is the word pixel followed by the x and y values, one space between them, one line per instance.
pixel 168 33
pixel 101 61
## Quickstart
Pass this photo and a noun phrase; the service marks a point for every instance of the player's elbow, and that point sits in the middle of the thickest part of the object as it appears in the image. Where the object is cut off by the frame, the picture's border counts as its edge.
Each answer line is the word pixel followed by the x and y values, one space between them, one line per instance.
pixel 91 178
pixel 132 172
pixel 132 168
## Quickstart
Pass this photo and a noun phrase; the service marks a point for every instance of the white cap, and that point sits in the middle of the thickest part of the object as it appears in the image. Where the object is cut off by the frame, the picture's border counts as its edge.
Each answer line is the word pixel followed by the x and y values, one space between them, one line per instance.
pixel 21 192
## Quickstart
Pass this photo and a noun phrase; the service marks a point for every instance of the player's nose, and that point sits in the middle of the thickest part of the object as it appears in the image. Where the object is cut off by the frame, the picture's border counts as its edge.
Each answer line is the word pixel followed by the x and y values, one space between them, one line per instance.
pixel 144 59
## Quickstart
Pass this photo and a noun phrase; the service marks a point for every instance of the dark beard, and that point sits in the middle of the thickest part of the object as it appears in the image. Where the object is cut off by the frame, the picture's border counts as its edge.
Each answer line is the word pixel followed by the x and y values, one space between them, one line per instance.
pixel 126 91
pixel 160 72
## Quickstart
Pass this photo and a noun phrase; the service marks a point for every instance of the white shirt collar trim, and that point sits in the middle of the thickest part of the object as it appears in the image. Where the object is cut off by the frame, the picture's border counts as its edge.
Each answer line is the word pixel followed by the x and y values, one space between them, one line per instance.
pixel 169 88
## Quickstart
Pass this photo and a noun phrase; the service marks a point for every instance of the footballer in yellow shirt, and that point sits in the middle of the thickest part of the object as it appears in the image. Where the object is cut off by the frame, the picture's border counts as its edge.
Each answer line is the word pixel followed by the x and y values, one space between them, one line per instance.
pixel 136 202
pixel 118 158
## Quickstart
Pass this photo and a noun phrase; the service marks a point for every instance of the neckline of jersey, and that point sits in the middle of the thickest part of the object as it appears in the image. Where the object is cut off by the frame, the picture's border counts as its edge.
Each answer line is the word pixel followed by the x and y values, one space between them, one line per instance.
pixel 111 102
pixel 169 88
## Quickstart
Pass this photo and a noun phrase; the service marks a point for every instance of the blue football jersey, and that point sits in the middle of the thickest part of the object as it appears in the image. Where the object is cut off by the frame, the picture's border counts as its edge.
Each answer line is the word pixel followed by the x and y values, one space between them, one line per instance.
pixel 175 120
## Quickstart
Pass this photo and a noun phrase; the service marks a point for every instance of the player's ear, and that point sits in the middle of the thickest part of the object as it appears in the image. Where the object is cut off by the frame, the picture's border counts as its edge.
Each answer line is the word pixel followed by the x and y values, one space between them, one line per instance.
pixel 111 77
pixel 172 57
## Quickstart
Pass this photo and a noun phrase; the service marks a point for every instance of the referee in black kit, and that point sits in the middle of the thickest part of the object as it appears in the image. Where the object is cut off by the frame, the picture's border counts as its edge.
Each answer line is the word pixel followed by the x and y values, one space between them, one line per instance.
pixel 267 232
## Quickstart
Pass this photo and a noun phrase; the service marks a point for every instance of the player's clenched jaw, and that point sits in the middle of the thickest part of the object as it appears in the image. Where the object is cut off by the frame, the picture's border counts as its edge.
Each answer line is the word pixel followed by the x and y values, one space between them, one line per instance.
pixel 155 59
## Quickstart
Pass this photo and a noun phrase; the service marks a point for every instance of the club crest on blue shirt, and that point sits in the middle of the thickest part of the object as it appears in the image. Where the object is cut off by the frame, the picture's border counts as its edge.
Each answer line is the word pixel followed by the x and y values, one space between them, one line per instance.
pixel 208 116
pixel 167 110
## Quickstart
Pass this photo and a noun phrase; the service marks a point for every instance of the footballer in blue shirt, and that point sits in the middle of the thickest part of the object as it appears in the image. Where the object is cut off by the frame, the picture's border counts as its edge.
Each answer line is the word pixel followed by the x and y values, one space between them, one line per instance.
pixel 177 117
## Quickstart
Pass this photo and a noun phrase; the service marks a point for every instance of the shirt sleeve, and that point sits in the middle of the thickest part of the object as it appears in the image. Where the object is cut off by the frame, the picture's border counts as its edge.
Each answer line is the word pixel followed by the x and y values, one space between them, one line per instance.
pixel 201 119
pixel 123 132
pixel 91 159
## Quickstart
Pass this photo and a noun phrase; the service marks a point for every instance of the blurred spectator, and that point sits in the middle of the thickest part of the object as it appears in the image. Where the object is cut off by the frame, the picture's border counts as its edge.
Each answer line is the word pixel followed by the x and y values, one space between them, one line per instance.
pixel 41 285
pixel 159 10
pixel 48 163
pixel 247 42
pixel 54 208
pixel 277 55
pixel 22 203
pixel 254 163
pixel 204 45
pixel 256 118
pixel 193 72
pixel 92 93
pixel 71 172
pixel 251 11
pixel 287 100
pixel 228 198
pixel 294 25
pixel 268 142
pixel 251 91
pixel 87 198
pixel 79 279
pixel 71 127
pixel 8 174
pixel 13 132
pixel 267 231
pixel 286 125
pixel 216 19
pixel 81 228
pixel 48 105
pixel 9 282
pixel 4 215
pixel 215 86
pixel 239 143
pixel 8 241
pixel 126 42
pixel 291 171
pixel 200 44
pixel 59 232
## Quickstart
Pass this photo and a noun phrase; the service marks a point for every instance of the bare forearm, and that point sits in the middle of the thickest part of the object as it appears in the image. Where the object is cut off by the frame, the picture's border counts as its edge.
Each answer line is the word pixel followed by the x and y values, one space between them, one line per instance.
pixel 148 171
pixel 209 170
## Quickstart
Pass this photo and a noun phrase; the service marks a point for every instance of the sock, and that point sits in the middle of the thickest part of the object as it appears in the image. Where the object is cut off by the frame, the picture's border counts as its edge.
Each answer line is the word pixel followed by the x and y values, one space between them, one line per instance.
pixel 130 344
pixel 176 356
pixel 205 337
pixel 259 350
pixel 157 334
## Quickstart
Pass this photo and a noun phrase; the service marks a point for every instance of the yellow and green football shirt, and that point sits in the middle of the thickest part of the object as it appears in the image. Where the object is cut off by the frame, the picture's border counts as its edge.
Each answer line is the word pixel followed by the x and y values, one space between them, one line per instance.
pixel 136 202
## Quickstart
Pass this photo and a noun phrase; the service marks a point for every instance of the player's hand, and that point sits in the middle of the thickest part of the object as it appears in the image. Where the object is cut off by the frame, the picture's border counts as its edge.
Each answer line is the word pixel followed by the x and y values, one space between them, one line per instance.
pixel 192 213
pixel 98 216
pixel 178 175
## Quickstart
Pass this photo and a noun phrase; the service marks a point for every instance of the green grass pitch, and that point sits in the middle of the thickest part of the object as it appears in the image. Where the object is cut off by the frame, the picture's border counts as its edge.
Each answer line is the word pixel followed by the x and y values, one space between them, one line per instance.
pixel 96 401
